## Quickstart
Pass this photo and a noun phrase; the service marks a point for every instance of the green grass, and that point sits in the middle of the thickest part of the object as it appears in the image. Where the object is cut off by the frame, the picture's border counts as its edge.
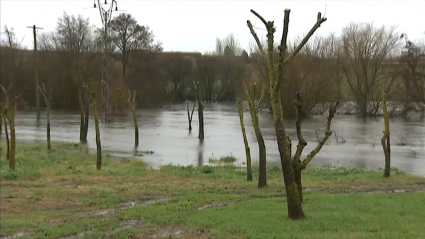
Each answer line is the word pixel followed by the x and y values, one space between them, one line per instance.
pixel 61 193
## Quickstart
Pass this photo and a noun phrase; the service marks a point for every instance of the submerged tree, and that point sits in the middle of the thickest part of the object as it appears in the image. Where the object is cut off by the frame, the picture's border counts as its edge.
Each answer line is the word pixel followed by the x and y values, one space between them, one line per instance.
pixel 275 74
pixel 385 140
pixel 84 114
pixel 245 141
pixel 47 98
pixel 253 110
pixel 190 115
pixel 131 102
pixel 11 118
pixel 200 112
pixel 93 88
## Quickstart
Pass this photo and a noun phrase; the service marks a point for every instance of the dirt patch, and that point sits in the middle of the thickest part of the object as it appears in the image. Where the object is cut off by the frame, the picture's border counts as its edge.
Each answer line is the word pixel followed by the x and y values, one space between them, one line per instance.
pixel 225 204
pixel 17 235
pixel 396 191
pixel 106 213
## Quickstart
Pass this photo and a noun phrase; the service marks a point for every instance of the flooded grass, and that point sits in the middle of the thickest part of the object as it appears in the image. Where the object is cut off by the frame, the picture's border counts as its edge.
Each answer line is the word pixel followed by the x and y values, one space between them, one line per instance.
pixel 61 194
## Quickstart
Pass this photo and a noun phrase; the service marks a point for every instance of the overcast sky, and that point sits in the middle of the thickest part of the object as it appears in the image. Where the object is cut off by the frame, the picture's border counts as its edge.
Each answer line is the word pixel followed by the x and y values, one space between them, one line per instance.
pixel 195 25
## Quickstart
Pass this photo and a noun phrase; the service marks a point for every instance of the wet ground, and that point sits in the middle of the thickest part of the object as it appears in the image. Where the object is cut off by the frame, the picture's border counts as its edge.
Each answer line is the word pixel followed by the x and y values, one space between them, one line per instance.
pixel 165 131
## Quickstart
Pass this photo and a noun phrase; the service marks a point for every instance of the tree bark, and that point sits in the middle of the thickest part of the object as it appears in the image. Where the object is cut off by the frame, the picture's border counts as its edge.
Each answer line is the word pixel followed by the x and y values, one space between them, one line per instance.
pixel 7 138
pixel 83 134
pixel 385 140
pixel 12 154
pixel 253 110
pixel 136 127
pixel 298 179
pixel 245 141
pixel 98 143
pixel 200 113
pixel 276 79
pixel 131 102
pixel 295 210
pixel 47 102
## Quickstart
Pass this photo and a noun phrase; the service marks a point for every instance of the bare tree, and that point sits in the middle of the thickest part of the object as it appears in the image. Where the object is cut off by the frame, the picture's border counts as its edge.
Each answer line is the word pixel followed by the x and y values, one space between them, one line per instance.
pixel 47 98
pixel 128 35
pixel 276 76
pixel 366 49
pixel 190 115
pixel 231 67
pixel 253 110
pixel 385 140
pixel 245 140
pixel 176 70
pixel 207 72
pixel 316 73
pixel 93 89
pixel 200 111
pixel 413 75
pixel 131 102
pixel 73 39
pixel 10 113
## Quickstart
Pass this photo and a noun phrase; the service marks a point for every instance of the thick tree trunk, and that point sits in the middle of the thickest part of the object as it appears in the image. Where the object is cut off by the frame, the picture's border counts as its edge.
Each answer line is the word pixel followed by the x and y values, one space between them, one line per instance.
pixel 298 179
pixel 295 210
pixel 245 141
pixel 200 113
pixel 262 177
pixel 83 138
pixel 98 143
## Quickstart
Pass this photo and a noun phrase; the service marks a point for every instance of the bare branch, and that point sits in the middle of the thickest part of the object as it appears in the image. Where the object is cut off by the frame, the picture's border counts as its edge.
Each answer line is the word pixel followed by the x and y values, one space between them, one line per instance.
pixel 260 17
pixel 320 20
pixel 299 103
pixel 263 93
pixel 257 40
pixel 283 48
pixel 332 110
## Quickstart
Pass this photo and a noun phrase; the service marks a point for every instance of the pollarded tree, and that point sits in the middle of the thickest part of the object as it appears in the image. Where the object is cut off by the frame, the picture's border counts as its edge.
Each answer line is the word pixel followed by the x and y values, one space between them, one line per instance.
pixel 10 115
pixel 276 76
pixel 47 98
pixel 92 89
pixel 253 110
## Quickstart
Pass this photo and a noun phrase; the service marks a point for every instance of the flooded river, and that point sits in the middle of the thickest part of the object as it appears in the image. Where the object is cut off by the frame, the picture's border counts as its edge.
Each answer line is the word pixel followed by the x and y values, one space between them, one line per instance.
pixel 165 131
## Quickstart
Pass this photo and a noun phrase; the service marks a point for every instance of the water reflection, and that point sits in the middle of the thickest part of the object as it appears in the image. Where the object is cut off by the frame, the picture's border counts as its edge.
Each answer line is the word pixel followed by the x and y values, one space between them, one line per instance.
pixel 201 153
pixel 165 131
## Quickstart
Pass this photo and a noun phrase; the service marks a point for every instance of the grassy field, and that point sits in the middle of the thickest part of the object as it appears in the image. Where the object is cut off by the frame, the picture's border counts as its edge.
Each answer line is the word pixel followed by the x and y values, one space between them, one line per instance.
pixel 61 194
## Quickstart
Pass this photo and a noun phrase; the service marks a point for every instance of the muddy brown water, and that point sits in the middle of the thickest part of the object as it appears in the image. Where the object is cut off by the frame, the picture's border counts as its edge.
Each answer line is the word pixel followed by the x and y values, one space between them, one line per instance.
pixel 165 131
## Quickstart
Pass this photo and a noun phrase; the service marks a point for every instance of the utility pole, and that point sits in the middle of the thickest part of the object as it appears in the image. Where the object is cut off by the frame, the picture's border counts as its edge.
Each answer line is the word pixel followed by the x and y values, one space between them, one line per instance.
pixel 106 16
pixel 37 93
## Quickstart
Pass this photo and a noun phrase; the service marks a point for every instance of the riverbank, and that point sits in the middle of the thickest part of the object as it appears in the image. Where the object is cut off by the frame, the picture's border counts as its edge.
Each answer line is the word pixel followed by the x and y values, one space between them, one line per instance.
pixel 61 194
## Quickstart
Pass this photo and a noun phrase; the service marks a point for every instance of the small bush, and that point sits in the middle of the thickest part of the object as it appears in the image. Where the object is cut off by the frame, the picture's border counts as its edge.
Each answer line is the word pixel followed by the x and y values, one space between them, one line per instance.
pixel 207 169
pixel 11 175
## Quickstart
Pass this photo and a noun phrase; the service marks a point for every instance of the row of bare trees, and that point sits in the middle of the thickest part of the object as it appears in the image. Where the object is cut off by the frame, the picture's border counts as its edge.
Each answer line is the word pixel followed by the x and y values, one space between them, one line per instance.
pixel 356 66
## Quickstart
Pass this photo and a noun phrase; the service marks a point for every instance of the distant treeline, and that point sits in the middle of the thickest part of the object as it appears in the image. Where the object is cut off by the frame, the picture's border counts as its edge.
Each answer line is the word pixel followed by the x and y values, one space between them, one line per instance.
pixel 359 65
